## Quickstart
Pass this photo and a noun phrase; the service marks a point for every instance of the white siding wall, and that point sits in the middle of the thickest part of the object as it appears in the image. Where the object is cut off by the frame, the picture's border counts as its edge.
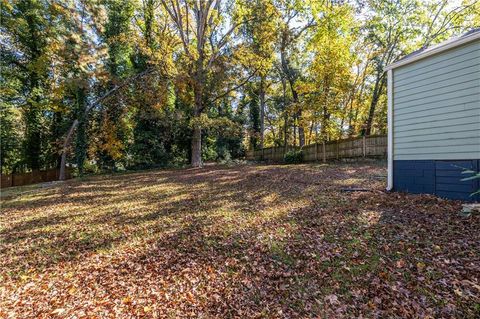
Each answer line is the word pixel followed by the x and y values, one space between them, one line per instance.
pixel 436 106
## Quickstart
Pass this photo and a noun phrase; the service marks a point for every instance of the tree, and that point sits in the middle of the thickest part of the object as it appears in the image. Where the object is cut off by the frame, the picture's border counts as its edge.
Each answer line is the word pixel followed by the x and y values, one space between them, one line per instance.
pixel 205 37
pixel 260 33
pixel 399 27
pixel 27 25
pixel 295 21
pixel 330 73
pixel 141 83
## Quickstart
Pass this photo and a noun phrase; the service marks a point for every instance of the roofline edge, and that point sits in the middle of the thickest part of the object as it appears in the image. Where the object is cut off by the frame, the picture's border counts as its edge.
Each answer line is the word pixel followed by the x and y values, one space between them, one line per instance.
pixel 436 50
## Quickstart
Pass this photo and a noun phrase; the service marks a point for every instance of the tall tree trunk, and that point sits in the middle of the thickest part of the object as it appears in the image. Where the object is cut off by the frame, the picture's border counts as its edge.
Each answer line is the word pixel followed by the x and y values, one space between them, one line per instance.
pixel 295 131
pixel 301 130
pixel 262 110
pixel 197 146
pixel 325 112
pixel 285 126
pixel 81 137
pixel 32 108
pixel 377 92
pixel 311 132
pixel 66 143
pixel 196 160
pixel 325 120
pixel 298 115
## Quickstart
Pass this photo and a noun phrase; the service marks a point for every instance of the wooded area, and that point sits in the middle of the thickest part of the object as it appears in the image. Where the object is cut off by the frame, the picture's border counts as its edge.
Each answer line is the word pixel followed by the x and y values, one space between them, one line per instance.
pixel 105 85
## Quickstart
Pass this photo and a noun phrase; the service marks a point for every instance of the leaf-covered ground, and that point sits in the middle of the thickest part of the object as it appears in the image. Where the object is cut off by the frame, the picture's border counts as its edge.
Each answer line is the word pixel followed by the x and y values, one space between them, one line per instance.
pixel 247 241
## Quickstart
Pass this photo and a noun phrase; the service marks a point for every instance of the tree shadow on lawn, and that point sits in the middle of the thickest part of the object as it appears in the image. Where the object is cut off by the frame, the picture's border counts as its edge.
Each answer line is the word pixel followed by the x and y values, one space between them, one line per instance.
pixel 247 241
pixel 78 217
pixel 321 261
pixel 394 255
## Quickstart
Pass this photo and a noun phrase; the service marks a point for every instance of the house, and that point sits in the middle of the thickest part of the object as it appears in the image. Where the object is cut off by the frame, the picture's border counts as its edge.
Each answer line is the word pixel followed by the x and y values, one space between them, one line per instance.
pixel 434 119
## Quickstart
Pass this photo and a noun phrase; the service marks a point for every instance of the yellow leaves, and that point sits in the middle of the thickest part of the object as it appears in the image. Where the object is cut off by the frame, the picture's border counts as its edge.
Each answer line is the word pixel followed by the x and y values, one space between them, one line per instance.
pixel 69 275
pixel 24 277
pixel 219 124
pixel 127 300
pixel 110 143
pixel 147 309
pixel 420 266
pixel 7 5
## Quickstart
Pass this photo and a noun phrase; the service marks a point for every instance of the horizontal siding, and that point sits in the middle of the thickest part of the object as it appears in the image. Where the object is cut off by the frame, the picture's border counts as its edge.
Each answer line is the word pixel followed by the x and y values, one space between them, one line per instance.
pixel 440 60
pixel 422 112
pixel 424 79
pixel 419 74
pixel 469 78
pixel 408 107
pixel 467 129
pixel 456 121
pixel 446 88
pixel 464 148
pixel 436 106
pixel 442 178
pixel 438 143
pixel 448 179
pixel 440 116
pixel 444 137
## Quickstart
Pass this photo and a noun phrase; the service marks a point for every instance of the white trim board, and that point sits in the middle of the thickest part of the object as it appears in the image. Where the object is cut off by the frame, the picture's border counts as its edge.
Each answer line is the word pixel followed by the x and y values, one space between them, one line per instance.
pixel 390 128
pixel 447 45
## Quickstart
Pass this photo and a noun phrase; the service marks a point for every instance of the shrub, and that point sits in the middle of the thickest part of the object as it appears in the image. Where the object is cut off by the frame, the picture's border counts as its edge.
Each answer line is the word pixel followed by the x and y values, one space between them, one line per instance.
pixel 293 157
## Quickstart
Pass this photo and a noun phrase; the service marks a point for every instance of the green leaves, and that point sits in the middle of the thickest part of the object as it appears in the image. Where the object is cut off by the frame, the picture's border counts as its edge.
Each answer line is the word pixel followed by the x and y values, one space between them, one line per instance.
pixel 475 175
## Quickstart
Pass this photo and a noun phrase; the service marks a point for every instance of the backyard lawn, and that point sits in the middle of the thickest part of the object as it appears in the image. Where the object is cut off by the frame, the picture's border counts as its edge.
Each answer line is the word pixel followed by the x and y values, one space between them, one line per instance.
pixel 242 241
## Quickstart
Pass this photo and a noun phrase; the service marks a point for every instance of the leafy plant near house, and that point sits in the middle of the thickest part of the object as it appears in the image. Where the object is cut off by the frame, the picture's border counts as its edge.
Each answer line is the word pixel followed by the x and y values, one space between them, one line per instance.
pixel 475 175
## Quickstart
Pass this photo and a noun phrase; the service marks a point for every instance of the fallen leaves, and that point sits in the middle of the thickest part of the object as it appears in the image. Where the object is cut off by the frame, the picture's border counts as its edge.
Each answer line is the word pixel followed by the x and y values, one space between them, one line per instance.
pixel 333 299
pixel 58 311
pixel 247 241
pixel 400 263
pixel 420 266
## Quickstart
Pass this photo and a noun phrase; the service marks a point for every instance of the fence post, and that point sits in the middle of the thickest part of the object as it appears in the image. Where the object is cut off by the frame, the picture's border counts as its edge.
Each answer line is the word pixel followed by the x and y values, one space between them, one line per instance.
pixel 324 152
pixel 316 151
pixel 364 141
pixel 338 149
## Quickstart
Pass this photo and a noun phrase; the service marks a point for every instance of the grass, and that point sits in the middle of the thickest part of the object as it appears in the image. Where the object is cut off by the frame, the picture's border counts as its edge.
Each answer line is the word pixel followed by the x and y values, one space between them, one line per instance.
pixel 243 241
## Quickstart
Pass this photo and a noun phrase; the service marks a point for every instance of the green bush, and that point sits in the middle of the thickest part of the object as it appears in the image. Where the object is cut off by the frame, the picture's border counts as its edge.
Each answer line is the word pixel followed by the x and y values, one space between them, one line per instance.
pixel 293 157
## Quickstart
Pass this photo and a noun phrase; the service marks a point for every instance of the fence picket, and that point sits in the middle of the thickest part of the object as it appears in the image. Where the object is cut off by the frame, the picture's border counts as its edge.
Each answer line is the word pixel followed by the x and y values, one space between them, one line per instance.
pixel 365 146
pixel 20 179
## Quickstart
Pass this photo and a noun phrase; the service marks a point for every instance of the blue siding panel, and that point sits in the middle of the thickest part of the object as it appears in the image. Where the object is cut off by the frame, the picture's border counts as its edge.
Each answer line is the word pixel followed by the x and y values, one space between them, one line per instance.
pixel 454 165
pixel 453 195
pixel 454 174
pixel 442 178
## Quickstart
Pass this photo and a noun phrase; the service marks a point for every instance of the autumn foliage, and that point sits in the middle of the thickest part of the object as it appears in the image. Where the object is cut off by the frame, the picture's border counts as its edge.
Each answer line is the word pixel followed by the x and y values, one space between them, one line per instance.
pixel 244 241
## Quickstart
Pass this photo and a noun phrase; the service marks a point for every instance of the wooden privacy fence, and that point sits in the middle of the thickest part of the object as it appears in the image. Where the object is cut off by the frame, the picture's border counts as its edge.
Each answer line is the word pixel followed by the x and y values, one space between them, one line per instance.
pixel 367 146
pixel 33 177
